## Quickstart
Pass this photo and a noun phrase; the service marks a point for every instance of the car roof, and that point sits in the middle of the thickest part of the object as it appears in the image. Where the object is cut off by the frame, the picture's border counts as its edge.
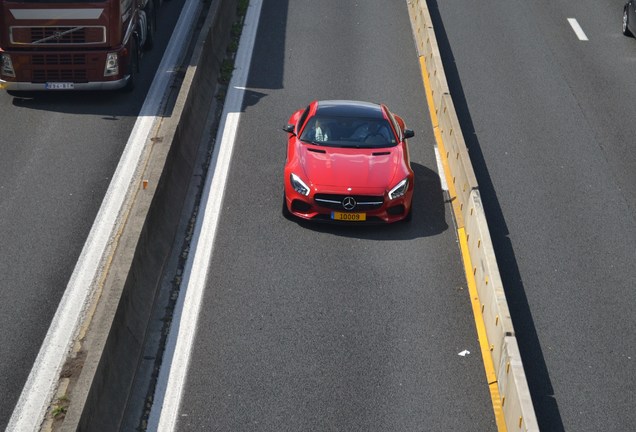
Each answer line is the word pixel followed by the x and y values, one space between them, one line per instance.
pixel 348 108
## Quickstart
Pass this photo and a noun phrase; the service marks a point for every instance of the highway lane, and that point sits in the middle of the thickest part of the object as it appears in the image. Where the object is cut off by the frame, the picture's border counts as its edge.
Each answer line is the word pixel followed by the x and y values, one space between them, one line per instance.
pixel 548 122
pixel 58 153
pixel 312 327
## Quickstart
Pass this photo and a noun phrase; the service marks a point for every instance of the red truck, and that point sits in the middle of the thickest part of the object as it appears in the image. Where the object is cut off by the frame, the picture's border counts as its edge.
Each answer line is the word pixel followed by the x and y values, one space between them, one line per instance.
pixel 74 45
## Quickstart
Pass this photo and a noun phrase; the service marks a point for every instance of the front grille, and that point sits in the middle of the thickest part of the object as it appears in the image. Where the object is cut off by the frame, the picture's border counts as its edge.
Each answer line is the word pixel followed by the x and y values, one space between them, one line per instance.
pixel 363 202
pixel 59 75
pixel 58 35
pixel 63 67
pixel 58 59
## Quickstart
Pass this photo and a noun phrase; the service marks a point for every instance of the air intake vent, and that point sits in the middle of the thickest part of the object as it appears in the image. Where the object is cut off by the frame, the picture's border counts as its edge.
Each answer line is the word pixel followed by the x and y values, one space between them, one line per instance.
pixel 56 35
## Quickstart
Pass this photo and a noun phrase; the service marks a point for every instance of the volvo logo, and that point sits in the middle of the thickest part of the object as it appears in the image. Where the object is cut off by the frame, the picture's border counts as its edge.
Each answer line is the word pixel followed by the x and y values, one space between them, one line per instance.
pixel 57 35
pixel 349 203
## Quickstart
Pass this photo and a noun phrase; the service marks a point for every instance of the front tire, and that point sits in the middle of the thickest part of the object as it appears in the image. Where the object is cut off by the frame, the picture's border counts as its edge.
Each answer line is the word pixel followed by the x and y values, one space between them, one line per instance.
pixel 133 66
pixel 286 213
pixel 409 216
pixel 152 25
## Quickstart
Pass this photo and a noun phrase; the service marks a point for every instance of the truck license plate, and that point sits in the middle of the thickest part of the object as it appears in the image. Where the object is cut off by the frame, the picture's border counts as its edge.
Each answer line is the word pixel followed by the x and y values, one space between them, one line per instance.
pixel 59 86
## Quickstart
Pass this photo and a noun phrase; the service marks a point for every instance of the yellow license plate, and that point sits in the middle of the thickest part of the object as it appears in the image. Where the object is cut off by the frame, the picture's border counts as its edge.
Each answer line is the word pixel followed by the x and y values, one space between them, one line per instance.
pixel 352 217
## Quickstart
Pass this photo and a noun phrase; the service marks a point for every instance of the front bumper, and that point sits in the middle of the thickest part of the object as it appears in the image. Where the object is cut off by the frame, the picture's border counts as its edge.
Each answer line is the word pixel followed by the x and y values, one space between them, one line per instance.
pixel 306 207
pixel 88 86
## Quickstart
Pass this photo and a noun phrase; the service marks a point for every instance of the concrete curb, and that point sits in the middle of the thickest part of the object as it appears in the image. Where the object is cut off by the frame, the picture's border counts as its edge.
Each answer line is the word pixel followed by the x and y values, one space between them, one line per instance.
pixel 114 341
pixel 515 401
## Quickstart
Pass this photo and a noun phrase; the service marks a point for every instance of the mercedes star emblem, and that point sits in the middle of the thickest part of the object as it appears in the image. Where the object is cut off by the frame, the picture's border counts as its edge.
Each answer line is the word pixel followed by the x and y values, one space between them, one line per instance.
pixel 349 203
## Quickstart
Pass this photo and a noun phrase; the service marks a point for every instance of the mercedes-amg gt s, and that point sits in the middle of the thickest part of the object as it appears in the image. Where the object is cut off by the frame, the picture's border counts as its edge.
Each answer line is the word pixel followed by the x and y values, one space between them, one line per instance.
pixel 347 161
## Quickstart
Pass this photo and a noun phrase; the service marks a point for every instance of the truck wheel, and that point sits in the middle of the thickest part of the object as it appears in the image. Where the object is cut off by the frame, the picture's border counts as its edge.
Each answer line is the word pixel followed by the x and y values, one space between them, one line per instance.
pixel 152 25
pixel 133 65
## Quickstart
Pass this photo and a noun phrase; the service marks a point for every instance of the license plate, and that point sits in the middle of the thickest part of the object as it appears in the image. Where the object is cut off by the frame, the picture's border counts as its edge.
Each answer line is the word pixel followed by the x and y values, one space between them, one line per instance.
pixel 352 217
pixel 59 86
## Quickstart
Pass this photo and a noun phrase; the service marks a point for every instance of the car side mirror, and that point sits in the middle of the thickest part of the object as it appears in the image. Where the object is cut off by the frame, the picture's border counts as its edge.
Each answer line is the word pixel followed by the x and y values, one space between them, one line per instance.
pixel 408 133
pixel 289 128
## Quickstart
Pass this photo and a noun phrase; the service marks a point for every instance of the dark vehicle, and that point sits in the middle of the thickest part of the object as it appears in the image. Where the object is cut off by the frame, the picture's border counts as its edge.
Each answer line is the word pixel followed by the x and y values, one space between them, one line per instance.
pixel 73 44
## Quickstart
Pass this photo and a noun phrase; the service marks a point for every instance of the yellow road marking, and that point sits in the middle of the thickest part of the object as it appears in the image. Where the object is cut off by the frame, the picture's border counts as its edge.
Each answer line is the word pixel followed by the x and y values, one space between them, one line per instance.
pixel 459 219
pixel 470 278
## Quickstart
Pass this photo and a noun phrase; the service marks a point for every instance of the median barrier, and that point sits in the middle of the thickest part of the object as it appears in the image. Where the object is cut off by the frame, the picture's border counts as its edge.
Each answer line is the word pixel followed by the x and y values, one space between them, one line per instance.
pixel 514 395
pixel 419 24
pixel 492 298
pixel 118 331
pixel 461 173
pixel 426 43
pixel 439 86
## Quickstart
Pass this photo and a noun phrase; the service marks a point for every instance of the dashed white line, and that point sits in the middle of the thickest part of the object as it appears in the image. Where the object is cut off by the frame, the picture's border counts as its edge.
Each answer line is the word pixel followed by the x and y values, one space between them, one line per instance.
pixel 577 29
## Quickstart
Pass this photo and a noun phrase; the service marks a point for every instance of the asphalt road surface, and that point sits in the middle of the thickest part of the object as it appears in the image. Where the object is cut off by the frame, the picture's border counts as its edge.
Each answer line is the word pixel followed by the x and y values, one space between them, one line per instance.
pixel 548 118
pixel 58 152
pixel 314 327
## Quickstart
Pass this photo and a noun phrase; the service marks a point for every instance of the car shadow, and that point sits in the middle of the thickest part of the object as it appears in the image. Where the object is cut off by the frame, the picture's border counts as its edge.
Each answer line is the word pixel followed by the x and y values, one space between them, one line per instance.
pixel 429 214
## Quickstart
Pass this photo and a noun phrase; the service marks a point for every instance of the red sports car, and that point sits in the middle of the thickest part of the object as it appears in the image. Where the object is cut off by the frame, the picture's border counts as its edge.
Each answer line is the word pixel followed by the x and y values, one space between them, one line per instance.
pixel 348 161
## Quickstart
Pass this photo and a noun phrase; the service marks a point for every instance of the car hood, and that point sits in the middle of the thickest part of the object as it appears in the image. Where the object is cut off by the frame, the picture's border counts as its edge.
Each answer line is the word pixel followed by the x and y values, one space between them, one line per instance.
pixel 362 168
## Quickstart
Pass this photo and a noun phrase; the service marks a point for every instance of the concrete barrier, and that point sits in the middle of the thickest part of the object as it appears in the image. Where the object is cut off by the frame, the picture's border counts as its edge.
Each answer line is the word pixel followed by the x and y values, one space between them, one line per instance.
pixel 117 332
pixel 515 397
pixel 462 175
pixel 428 49
pixel 494 307
pixel 515 401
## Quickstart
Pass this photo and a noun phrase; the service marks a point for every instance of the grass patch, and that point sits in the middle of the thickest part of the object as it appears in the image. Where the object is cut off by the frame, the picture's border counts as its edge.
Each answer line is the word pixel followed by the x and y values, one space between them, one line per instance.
pixel 60 408
pixel 227 67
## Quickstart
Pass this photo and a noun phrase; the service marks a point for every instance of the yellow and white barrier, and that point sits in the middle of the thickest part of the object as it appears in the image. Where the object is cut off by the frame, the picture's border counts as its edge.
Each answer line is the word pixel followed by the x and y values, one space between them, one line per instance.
pixel 512 403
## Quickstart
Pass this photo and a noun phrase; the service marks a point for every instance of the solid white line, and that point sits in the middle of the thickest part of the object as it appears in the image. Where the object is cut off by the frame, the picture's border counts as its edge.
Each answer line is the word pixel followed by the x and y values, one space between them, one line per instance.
pixel 577 29
pixel 42 381
pixel 440 170
pixel 172 376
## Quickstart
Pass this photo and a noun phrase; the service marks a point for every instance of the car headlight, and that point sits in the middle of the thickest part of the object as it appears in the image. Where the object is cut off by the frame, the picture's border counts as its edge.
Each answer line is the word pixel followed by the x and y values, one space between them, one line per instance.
pixel 299 185
pixel 399 190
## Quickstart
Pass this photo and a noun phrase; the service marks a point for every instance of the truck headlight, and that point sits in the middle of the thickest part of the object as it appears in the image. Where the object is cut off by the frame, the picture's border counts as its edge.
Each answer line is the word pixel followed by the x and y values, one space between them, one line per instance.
pixel 112 64
pixel 7 65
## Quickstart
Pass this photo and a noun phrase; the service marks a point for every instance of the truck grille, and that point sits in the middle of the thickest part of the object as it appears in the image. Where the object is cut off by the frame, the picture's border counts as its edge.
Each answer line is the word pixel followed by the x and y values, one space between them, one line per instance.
pixel 59 75
pixel 63 67
pixel 58 59
pixel 362 202
pixel 86 35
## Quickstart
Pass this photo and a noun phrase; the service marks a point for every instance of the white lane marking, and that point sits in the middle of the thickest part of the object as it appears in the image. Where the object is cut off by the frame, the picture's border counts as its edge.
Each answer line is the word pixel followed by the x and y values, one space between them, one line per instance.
pixel 42 381
pixel 172 376
pixel 440 170
pixel 577 29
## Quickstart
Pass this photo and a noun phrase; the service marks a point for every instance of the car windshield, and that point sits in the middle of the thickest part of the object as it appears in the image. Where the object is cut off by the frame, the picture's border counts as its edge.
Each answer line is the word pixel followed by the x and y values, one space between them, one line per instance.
pixel 354 132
